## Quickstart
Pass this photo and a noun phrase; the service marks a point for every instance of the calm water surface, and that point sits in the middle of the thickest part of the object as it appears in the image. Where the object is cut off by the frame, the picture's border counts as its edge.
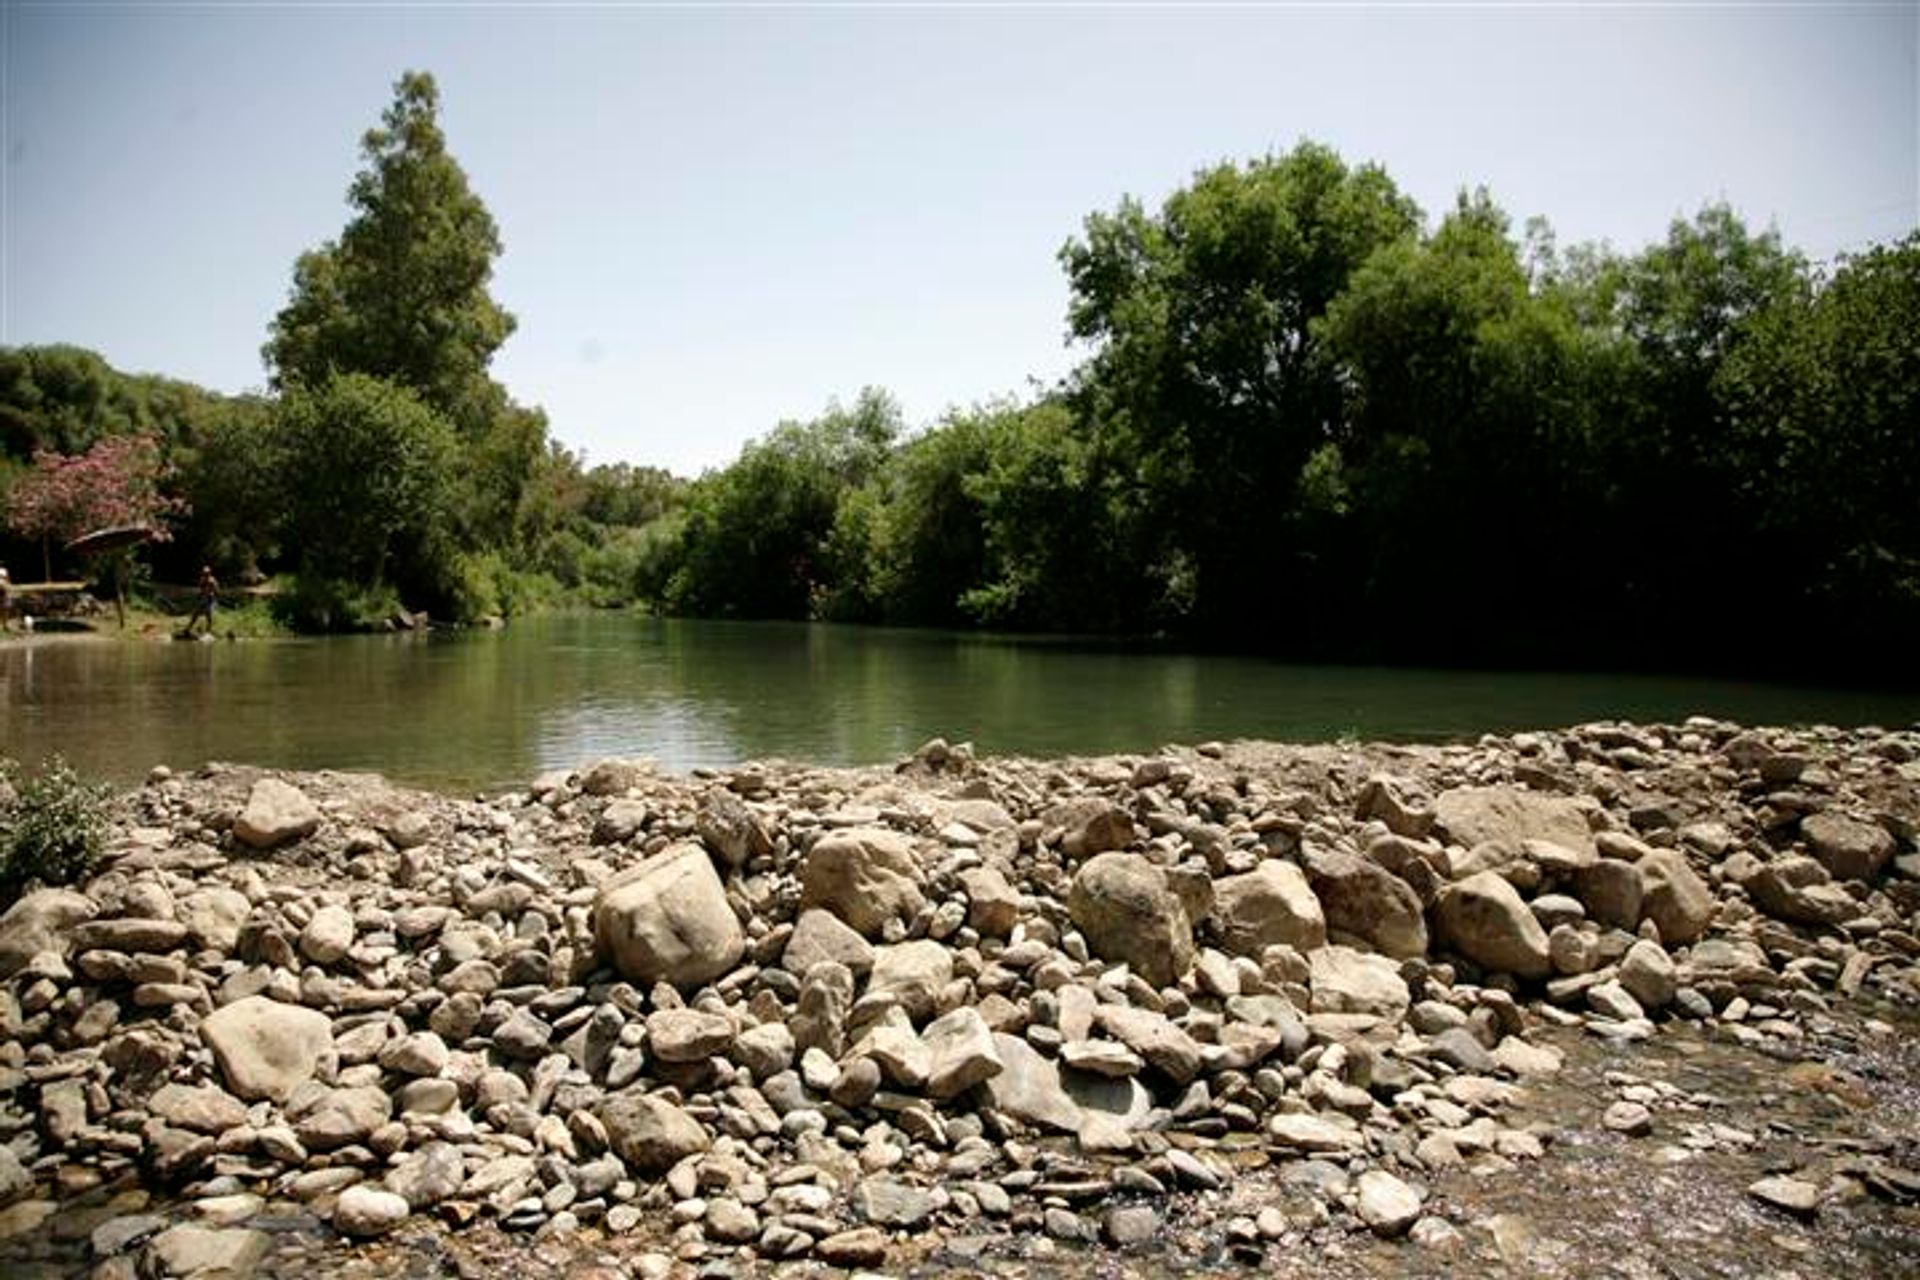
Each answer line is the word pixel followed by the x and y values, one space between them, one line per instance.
pixel 492 709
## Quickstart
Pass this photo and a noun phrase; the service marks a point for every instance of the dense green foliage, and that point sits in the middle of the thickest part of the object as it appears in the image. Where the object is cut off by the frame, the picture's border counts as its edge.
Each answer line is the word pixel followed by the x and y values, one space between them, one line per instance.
pixel 1310 424
pixel 53 826
pixel 1308 421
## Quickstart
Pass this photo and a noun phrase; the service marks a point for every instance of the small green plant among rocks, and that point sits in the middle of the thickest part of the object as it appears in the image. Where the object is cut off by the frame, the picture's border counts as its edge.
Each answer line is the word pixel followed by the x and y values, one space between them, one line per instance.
pixel 53 825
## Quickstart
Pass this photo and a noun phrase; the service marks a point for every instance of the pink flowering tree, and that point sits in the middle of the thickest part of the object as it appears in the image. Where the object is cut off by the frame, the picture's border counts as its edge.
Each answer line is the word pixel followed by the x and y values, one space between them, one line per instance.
pixel 116 483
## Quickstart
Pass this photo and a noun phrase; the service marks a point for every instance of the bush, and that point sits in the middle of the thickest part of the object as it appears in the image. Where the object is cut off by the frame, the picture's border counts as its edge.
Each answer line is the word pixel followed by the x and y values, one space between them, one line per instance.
pixel 314 602
pixel 53 827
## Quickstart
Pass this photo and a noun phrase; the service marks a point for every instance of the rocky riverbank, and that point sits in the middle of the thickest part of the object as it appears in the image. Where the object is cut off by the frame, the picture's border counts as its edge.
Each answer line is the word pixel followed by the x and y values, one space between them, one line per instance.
pixel 1295 1008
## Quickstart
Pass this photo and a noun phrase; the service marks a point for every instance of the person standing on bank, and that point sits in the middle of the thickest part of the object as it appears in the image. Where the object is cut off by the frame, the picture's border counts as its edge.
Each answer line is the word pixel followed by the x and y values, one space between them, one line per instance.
pixel 6 600
pixel 209 596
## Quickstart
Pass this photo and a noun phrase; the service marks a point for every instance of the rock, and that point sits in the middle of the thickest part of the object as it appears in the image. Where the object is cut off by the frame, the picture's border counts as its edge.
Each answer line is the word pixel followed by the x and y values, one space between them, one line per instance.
pixel 214 917
pixel 266 1049
pixel 913 973
pixel 366 1211
pixel 116 1235
pixel 649 1133
pixel 15 1180
pixel 726 826
pixel 1611 1000
pixel 994 907
pixel 1164 1046
pixel 1507 816
pixel 1384 798
pixel 1799 890
pixel 620 821
pixel 343 1118
pixel 1848 848
pixel 765 1050
pixel 1630 1118
pixel 1612 892
pixel 1794 1195
pixel 960 1052
pixel 820 1019
pixel 1270 904
pixel 198 1109
pixel 613 777
pixel 204 1253
pixel 39 923
pixel 819 937
pixel 890 1203
pixel 1458 1049
pixel 860 1247
pixel 328 936
pixel 668 920
pixel 688 1035
pixel 1090 825
pixel 1129 1225
pixel 523 1036
pixel 1648 974
pixel 1123 906
pixel 1362 898
pixel 1387 1205
pixel 422 1053
pixel 1484 919
pixel 428 1176
pixel 1677 900
pixel 866 876
pixel 1349 981
pixel 1315 1134
pixel 1028 1087
pixel 276 813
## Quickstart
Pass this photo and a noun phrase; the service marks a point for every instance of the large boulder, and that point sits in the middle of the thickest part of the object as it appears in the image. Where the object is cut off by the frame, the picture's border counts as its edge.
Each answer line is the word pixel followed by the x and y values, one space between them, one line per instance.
pixel 1676 899
pixel 1484 919
pixel 266 1049
pixel 1123 906
pixel 1507 817
pixel 276 813
pixel 1348 981
pixel 1363 898
pixel 650 1133
pixel 1799 890
pixel 668 920
pixel 1268 905
pixel 864 875
pixel 1847 847
pixel 39 922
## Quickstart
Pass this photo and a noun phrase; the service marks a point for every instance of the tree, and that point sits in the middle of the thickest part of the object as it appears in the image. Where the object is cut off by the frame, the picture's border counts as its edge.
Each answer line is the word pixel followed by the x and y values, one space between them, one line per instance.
pixel 365 471
pixel 117 482
pixel 1822 399
pixel 1204 373
pixel 402 294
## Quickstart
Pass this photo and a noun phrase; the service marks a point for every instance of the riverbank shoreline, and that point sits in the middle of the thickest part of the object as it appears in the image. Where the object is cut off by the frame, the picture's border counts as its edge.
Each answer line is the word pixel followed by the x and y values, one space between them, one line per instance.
pixel 1348 1008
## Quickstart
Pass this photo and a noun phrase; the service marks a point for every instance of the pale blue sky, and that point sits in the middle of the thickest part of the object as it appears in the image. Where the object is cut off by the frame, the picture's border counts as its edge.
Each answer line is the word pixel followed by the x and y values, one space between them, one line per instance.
pixel 718 218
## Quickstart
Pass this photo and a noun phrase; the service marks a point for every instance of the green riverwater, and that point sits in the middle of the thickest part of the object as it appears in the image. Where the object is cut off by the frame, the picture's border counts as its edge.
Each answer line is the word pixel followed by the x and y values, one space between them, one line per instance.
pixel 481 710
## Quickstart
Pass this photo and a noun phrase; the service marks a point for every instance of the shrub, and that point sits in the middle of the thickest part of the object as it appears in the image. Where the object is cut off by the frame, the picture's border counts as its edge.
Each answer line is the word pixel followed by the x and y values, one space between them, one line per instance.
pixel 314 602
pixel 54 826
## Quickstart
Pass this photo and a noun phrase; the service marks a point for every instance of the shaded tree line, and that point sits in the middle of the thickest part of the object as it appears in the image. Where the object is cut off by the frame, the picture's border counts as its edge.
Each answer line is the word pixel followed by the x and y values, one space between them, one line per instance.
pixel 1310 423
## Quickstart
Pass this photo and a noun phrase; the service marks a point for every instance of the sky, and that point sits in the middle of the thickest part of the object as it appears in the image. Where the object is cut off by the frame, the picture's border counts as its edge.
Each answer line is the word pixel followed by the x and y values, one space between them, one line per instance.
pixel 716 218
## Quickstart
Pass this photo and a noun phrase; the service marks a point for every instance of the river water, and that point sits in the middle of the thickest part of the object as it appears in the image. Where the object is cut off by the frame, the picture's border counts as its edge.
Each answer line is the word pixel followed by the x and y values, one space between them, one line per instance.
pixel 481 710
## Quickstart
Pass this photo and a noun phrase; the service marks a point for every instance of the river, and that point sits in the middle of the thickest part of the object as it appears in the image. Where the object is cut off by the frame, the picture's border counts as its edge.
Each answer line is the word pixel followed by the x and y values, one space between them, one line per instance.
pixel 490 709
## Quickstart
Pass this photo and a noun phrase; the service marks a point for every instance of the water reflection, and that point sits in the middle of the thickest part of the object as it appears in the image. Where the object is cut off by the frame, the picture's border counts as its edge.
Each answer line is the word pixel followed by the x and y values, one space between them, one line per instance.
pixel 494 708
